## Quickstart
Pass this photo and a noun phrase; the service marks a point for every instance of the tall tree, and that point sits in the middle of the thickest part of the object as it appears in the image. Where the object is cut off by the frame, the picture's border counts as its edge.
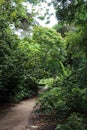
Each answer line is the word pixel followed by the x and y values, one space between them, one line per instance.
pixel 12 15
pixel 71 11
pixel 51 47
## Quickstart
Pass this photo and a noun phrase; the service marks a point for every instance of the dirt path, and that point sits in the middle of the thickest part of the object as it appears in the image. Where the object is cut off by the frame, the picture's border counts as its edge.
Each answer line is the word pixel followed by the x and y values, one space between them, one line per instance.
pixel 16 117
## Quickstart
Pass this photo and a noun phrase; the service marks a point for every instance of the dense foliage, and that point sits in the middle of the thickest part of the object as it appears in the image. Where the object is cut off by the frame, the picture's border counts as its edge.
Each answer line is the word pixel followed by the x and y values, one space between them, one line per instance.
pixel 15 82
pixel 51 50
pixel 67 96
pixel 23 62
pixel 61 63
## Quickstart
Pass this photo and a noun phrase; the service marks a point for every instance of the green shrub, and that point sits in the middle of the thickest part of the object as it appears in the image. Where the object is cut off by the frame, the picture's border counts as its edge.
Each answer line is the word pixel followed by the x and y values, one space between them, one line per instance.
pixel 77 100
pixel 64 100
pixel 26 88
pixel 74 122
pixel 53 101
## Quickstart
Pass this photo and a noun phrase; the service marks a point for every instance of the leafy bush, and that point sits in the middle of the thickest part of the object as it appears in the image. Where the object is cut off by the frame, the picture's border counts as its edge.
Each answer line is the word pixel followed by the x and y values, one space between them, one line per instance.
pixel 53 101
pixel 25 89
pixel 74 122
pixel 16 82
pixel 64 99
pixel 77 100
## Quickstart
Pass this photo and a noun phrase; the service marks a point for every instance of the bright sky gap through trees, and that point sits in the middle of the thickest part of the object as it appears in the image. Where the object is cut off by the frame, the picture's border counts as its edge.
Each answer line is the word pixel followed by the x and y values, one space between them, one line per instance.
pixel 41 8
pixel 41 18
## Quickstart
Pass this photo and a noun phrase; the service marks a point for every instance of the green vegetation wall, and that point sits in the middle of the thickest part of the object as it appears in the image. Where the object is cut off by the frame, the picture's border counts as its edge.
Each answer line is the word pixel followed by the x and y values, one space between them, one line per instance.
pixel 67 97
pixel 15 81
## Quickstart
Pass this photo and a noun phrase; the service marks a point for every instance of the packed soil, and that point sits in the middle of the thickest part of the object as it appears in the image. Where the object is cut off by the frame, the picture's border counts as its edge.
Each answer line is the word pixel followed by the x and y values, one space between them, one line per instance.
pixel 16 116
pixel 23 116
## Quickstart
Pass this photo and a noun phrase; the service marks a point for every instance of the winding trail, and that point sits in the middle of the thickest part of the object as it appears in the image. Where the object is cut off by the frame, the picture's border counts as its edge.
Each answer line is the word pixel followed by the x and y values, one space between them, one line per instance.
pixel 15 117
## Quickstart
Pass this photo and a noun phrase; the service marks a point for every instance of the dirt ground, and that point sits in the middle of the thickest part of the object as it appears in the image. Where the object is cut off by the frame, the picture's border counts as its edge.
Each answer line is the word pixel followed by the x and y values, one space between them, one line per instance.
pixel 23 116
pixel 40 121
pixel 16 116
